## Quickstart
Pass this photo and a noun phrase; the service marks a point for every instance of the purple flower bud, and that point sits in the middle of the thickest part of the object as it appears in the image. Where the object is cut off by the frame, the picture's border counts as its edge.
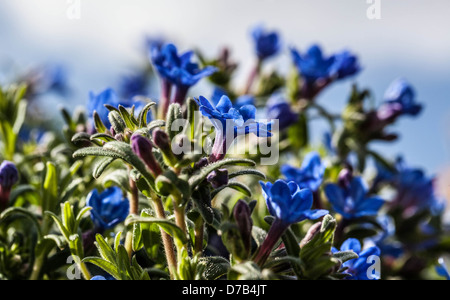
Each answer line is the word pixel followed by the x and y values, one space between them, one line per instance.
pixel 242 216
pixel 8 174
pixel 143 148
pixel 345 177
pixel 8 177
pixel 218 178
pixel 161 139
pixel 312 231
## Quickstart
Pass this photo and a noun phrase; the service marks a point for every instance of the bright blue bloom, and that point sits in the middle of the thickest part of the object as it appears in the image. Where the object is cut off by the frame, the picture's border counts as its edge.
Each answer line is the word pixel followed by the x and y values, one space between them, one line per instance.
pixel 401 95
pixel 309 175
pixel 267 44
pixel 442 270
pixel 314 66
pixel 108 208
pixel 279 109
pixel 9 175
pixel 358 268
pixel 242 119
pixel 415 191
pixel 239 102
pixel 289 203
pixel 351 201
pixel 178 69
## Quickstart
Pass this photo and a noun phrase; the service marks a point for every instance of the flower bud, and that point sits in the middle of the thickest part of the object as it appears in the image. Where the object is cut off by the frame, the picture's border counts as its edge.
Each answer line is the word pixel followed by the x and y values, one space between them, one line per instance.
pixel 312 231
pixel 143 148
pixel 8 177
pixel 162 141
pixel 218 178
pixel 345 177
pixel 242 216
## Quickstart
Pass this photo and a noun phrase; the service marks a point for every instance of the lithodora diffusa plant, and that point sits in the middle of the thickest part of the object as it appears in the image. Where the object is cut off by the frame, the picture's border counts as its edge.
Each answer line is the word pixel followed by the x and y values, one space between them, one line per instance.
pixel 132 189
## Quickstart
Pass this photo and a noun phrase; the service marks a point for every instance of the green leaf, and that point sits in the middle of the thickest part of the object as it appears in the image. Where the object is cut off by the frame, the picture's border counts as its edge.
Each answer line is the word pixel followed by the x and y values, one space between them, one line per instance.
pixel 259 235
pixel 65 232
pixel 107 266
pixel 102 137
pixel 20 117
pixel 142 117
pixel 155 123
pixel 50 188
pixel 247 172
pixel 67 217
pixel 196 179
pixel 298 133
pixel 174 113
pixel 99 126
pixel 168 226
pixel 105 250
pixel 100 166
pixel 344 256
pixel 215 267
pixel 22 212
pixel 240 187
pixel 116 121
pixel 127 118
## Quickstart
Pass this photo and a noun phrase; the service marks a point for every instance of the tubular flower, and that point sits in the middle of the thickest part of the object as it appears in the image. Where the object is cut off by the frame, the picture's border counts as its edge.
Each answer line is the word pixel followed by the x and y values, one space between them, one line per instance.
pixel 230 122
pixel 266 43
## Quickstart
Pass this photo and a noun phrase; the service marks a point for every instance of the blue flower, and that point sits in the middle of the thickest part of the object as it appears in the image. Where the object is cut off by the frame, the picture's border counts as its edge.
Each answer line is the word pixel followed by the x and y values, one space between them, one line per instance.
pixel 48 78
pixel 415 192
pixel 442 270
pixel 351 201
pixel 279 109
pixel 100 277
pixel 224 115
pixel 401 94
pixel 359 268
pixel 267 44
pixel 289 203
pixel 239 102
pixel 178 69
pixel 318 71
pixel 309 175
pixel 108 208
pixel 384 240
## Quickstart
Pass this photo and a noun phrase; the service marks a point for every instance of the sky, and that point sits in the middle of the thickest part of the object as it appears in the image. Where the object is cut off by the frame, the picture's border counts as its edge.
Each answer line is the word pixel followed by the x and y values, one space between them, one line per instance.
pixel 103 39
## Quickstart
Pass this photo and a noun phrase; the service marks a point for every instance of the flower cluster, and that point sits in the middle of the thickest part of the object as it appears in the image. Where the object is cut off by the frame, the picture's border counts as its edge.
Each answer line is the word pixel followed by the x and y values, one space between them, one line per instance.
pixel 168 199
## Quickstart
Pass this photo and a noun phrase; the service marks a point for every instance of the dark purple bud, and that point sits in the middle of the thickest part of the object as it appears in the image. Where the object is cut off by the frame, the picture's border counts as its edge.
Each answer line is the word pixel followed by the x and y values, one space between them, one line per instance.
pixel 201 163
pixel 143 148
pixel 345 177
pixel 242 216
pixel 113 132
pixel 218 178
pixel 312 231
pixel 161 139
pixel 8 177
pixel 119 137
pixel 8 174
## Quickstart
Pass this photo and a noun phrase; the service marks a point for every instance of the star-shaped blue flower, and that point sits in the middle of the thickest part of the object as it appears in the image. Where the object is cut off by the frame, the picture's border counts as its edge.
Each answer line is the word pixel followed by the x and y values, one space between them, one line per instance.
pixel 352 201
pixel 309 175
pixel 178 68
pixel 358 268
pixel 108 208
pixel 289 203
pixel 401 94
pixel 266 43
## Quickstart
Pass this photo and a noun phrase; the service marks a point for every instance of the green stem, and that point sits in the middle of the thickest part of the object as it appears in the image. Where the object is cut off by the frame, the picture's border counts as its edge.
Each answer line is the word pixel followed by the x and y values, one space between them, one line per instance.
pixel 167 240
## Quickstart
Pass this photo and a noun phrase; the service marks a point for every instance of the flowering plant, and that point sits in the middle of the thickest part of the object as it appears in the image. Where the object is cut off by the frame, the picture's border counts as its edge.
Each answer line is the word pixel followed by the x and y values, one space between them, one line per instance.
pixel 177 188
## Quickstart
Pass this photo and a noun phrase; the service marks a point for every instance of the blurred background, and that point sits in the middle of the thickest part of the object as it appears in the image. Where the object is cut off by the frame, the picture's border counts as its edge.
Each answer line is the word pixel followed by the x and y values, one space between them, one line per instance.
pixel 97 41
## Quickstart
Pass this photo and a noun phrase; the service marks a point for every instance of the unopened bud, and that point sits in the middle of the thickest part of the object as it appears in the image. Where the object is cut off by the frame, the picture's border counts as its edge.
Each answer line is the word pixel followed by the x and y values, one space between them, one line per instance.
pixel 8 177
pixel 242 216
pixel 218 178
pixel 312 231
pixel 345 177
pixel 162 141
pixel 143 148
